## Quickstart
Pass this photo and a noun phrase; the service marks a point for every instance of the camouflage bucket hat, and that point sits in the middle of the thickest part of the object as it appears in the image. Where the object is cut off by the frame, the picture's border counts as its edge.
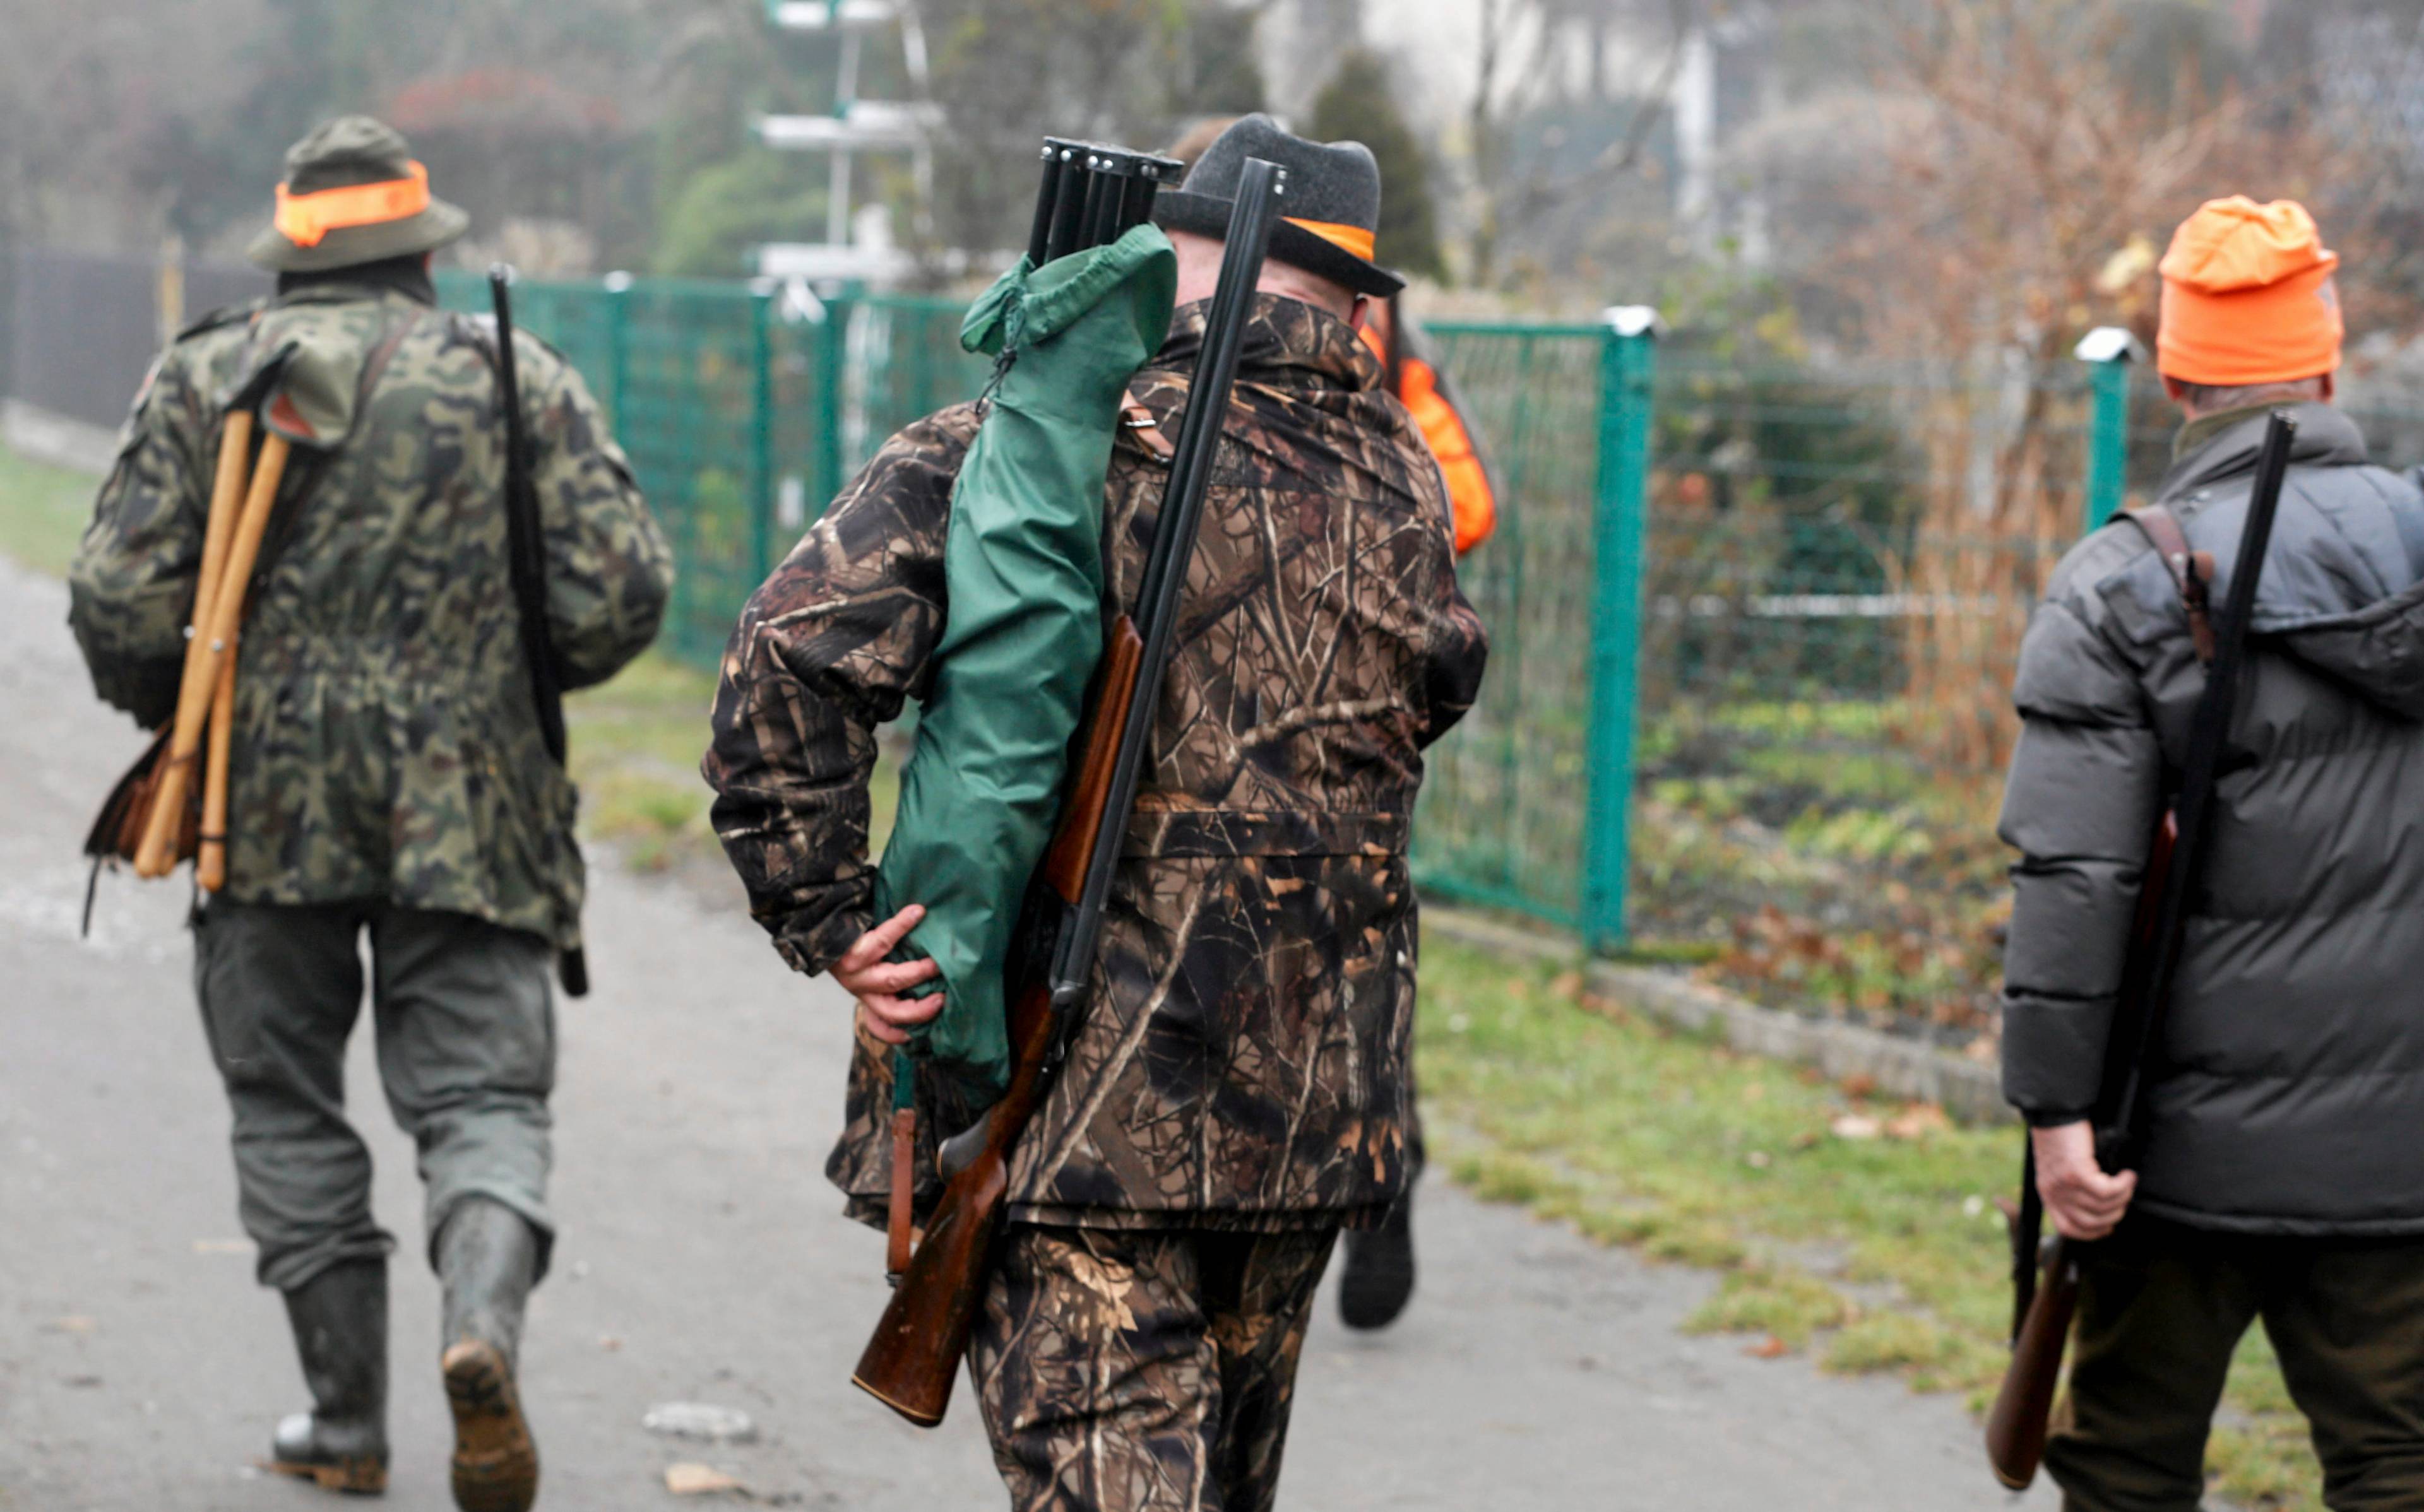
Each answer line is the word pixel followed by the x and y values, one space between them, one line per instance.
pixel 353 194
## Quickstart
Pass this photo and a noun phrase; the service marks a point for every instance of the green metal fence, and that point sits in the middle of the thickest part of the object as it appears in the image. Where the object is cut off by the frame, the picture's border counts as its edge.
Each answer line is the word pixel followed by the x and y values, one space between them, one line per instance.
pixel 1751 620
pixel 743 408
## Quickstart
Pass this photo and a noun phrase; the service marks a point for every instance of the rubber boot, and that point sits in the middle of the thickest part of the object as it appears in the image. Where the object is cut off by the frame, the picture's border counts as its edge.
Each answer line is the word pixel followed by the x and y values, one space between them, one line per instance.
pixel 487 1258
pixel 340 1319
pixel 1379 1279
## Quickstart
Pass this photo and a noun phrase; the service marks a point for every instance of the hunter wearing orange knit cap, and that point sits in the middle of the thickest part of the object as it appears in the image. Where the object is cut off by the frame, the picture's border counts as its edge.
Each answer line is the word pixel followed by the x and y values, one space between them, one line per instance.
pixel 2248 300
pixel 2276 1172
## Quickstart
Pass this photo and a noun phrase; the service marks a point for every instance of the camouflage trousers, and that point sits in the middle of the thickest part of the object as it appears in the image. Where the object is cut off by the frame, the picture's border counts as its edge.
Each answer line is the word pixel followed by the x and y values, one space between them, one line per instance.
pixel 2162 1309
pixel 1143 1370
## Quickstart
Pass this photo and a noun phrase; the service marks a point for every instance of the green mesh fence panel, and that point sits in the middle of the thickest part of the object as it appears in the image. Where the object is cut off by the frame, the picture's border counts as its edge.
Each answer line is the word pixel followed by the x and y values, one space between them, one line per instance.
pixel 744 410
pixel 1839 562
pixel 1500 821
pixel 905 360
pixel 1841 566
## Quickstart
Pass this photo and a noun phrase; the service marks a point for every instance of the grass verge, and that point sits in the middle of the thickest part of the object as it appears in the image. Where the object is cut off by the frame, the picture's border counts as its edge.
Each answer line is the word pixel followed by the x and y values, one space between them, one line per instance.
pixel 635 747
pixel 43 511
pixel 1860 1232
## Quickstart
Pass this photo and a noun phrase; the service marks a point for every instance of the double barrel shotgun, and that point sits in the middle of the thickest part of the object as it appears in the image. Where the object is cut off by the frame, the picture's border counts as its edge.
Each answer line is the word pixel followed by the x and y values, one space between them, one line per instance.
pixel 1089 197
pixel 2041 1313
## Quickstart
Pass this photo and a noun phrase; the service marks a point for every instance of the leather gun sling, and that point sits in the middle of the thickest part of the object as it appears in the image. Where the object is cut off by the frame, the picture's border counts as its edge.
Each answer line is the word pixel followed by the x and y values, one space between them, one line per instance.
pixel 1141 428
pixel 2191 571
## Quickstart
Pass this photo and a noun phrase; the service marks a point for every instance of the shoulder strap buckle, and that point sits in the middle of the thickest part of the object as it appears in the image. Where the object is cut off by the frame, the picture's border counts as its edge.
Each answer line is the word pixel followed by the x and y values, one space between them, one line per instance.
pixel 1141 428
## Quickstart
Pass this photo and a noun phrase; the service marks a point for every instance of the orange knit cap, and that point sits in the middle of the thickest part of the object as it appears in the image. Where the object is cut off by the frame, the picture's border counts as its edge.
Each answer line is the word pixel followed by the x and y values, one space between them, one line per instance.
pixel 2248 296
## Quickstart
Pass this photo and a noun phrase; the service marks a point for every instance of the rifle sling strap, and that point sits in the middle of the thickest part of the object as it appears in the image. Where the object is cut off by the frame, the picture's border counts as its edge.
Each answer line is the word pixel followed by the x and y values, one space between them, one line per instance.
pixel 2191 571
pixel 1137 422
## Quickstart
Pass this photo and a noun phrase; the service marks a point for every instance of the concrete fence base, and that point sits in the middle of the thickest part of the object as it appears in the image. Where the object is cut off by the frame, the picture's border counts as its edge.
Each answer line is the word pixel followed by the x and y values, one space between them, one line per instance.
pixel 1968 1091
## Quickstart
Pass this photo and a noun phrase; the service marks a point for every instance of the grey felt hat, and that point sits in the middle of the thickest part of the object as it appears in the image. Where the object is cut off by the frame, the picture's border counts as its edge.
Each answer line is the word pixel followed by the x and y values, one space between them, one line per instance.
pixel 344 153
pixel 1333 185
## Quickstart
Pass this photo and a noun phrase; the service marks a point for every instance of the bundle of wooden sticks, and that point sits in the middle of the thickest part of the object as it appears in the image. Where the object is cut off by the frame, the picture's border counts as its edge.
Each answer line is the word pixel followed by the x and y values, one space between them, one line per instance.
pixel 161 829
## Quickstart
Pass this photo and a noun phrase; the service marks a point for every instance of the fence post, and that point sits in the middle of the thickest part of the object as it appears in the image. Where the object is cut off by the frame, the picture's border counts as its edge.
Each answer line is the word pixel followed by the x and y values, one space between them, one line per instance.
pixel 1628 374
pixel 761 429
pixel 618 346
pixel 833 356
pixel 2107 351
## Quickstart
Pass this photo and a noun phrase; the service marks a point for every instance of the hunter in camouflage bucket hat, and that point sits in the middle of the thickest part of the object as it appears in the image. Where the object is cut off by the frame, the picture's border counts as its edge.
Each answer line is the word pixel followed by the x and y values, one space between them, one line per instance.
pixel 353 193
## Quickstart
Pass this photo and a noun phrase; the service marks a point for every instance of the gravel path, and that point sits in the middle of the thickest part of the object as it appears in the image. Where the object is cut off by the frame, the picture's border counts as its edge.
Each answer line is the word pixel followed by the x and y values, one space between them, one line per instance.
pixel 702 1258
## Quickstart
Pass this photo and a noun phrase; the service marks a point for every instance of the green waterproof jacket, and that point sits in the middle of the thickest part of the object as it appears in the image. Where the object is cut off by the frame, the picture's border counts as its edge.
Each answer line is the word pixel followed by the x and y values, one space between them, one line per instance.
pixel 1023 568
pixel 386 743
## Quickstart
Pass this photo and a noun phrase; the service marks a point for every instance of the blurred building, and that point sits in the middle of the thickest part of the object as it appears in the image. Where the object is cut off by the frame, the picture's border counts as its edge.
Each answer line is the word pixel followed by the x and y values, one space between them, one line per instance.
pixel 1581 90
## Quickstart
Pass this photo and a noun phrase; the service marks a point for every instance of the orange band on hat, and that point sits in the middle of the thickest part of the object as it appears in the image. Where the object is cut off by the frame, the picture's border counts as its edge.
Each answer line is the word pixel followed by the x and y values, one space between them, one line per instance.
pixel 306 219
pixel 1353 240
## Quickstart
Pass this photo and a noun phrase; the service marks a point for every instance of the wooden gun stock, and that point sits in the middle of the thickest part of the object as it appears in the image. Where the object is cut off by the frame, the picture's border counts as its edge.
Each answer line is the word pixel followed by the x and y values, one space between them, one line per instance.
pixel 910 1363
pixel 2016 1425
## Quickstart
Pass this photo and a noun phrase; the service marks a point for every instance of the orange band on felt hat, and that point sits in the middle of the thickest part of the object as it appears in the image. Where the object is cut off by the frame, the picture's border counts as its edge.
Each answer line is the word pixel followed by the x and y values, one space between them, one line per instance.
pixel 306 219
pixel 1353 240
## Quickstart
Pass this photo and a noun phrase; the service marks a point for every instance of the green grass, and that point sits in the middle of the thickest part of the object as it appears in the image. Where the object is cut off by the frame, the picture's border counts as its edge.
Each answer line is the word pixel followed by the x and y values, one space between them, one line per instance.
pixel 42 512
pixel 1873 1251
pixel 635 747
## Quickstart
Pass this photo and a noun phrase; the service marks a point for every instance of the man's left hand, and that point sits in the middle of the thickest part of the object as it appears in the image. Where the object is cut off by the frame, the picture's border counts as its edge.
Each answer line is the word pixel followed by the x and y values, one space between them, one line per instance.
pixel 878 984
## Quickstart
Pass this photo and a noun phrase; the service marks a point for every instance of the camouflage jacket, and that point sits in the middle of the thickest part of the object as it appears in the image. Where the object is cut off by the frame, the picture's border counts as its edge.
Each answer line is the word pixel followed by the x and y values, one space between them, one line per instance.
pixel 385 743
pixel 1244 1054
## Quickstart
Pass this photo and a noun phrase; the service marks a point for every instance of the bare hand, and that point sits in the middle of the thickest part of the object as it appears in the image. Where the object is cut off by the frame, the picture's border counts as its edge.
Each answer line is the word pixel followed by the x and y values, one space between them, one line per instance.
pixel 878 984
pixel 2084 1203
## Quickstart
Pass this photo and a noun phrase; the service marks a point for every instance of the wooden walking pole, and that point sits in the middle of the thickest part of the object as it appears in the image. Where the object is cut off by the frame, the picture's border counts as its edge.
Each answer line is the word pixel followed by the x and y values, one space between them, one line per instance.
pixel 157 856
pixel 227 486
pixel 210 862
pixel 236 447
pixel 227 495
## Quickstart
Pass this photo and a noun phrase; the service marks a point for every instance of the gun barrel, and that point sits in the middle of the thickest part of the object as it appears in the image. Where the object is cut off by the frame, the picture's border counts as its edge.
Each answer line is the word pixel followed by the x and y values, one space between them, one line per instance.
pixel 1039 236
pixel 2016 1429
pixel 911 1360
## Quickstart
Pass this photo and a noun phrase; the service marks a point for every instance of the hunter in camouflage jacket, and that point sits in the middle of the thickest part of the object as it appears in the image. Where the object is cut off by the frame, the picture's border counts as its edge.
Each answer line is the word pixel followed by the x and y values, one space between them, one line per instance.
pixel 1243 1062
pixel 386 740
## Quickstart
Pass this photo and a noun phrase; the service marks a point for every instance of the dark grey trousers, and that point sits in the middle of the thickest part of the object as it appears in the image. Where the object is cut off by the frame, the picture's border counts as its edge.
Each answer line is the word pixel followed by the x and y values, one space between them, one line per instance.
pixel 465 1029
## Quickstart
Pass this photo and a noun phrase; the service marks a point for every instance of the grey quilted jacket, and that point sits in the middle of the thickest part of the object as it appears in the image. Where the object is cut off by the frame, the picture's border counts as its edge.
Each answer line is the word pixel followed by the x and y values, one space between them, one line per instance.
pixel 2288 1094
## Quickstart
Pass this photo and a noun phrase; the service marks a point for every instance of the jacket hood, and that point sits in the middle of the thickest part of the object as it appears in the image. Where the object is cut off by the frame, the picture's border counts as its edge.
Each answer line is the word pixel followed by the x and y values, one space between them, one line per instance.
pixel 2343 584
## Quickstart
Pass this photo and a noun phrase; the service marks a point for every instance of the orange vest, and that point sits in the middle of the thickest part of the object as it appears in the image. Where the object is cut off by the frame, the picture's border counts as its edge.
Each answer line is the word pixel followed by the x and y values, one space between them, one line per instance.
pixel 1468 481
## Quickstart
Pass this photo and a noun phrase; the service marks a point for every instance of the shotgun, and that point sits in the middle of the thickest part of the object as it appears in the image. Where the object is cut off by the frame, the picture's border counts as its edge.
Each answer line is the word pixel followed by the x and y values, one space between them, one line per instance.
pixel 910 1362
pixel 2016 1425
pixel 526 561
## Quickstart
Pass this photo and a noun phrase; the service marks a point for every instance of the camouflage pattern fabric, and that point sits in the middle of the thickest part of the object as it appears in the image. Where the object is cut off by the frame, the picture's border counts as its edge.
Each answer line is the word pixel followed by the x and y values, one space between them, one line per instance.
pixel 385 743
pixel 1244 1056
pixel 1143 1372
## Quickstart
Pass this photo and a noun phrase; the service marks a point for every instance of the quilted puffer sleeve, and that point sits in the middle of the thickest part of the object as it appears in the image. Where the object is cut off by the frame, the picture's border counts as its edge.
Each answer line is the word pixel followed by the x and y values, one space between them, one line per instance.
pixel 2080 806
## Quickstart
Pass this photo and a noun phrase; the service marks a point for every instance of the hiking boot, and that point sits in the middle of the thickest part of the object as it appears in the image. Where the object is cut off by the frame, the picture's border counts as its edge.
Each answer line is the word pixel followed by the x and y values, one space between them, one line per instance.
pixel 339 1321
pixel 1380 1276
pixel 488 1257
